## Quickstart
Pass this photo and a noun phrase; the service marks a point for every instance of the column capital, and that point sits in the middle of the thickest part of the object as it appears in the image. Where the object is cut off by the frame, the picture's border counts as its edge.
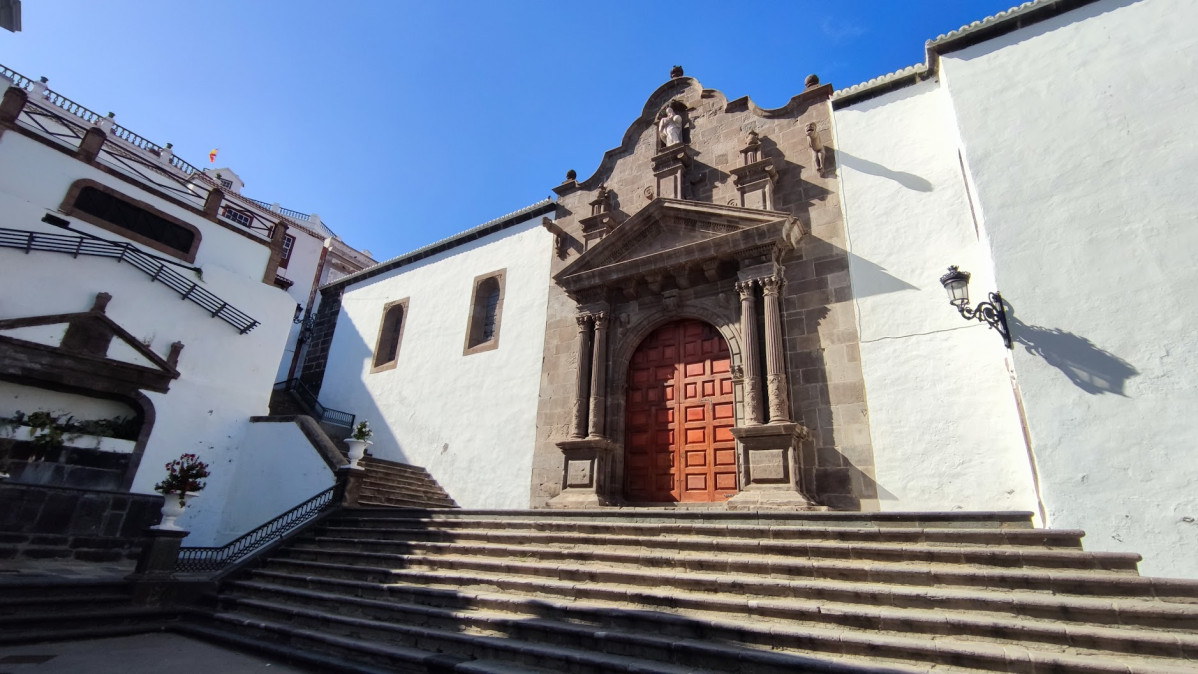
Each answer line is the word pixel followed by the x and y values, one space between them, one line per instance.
pixel 772 285
pixel 584 321
pixel 745 288
pixel 600 318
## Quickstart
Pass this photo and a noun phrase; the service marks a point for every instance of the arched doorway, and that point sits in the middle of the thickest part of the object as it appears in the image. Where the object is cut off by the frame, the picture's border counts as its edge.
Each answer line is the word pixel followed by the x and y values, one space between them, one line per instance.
pixel 680 414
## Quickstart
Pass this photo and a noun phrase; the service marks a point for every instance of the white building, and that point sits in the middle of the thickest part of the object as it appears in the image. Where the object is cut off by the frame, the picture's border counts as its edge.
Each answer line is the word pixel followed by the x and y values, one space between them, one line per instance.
pixel 129 290
pixel 1042 150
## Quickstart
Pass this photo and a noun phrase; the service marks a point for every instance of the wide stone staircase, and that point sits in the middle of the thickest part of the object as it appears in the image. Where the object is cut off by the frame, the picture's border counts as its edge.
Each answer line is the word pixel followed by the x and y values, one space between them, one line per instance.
pixel 399 485
pixel 633 590
pixel 32 611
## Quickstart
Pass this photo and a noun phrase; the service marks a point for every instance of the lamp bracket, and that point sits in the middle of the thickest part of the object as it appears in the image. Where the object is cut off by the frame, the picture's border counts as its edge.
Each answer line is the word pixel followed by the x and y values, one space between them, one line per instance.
pixel 991 313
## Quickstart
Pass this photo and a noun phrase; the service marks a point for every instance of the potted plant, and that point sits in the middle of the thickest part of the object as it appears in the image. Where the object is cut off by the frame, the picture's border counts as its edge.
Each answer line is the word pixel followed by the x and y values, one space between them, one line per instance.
pixel 183 481
pixel 358 441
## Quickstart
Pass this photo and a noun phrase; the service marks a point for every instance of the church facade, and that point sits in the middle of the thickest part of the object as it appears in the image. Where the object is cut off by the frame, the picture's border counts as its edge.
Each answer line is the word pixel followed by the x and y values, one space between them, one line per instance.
pixel 742 307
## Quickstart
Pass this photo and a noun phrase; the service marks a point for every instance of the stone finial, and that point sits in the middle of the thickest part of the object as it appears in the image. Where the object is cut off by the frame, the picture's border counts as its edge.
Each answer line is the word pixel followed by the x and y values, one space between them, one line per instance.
pixel 811 81
pixel 571 175
pixel 675 72
pixel 101 303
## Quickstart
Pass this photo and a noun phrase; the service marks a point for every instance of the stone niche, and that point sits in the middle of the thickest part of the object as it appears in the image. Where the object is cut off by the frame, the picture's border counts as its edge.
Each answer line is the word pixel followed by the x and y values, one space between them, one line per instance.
pixel 709 210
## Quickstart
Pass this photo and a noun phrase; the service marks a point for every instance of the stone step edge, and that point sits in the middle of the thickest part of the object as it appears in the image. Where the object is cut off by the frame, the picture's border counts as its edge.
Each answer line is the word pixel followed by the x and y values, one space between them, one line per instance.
pixel 403 495
pixel 715 531
pixel 1041 632
pixel 1003 602
pixel 318 661
pixel 998 554
pixel 429 506
pixel 377 485
pixel 747 656
pixel 1022 518
pixel 923 575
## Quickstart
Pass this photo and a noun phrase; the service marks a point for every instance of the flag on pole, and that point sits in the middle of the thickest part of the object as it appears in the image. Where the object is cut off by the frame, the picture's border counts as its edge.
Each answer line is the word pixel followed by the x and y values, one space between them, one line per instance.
pixel 212 156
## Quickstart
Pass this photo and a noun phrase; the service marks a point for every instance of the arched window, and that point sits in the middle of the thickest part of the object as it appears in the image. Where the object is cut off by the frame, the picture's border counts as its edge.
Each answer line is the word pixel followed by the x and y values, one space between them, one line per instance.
pixel 386 349
pixel 486 308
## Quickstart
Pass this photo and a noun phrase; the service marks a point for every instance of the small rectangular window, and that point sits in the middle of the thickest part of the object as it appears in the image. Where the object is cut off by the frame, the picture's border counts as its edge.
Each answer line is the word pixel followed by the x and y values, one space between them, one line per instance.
pixel 486 308
pixel 288 242
pixel 240 217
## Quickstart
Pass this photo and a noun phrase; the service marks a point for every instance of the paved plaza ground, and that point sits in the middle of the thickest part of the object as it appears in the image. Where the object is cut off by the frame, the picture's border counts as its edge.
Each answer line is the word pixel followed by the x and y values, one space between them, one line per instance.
pixel 140 654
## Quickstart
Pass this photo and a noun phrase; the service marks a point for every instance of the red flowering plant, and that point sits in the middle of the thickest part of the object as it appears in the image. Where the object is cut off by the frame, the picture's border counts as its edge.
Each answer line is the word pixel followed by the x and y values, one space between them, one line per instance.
pixel 183 475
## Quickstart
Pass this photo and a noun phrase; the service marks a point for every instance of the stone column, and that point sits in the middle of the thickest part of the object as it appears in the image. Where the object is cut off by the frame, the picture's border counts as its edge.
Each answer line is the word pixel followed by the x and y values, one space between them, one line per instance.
pixel 750 363
pixel 579 428
pixel 775 364
pixel 598 415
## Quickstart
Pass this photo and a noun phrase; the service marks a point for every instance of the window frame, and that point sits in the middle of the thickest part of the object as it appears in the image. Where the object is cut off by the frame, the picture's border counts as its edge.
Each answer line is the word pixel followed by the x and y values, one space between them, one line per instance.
pixel 288 247
pixel 376 366
pixel 478 310
pixel 69 209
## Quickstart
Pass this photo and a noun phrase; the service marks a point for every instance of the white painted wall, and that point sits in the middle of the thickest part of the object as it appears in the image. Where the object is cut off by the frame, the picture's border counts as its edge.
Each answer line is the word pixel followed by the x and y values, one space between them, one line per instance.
pixel 1075 132
pixel 943 419
pixel 469 420
pixel 278 469
pixel 302 269
pixel 225 376
pixel 28 399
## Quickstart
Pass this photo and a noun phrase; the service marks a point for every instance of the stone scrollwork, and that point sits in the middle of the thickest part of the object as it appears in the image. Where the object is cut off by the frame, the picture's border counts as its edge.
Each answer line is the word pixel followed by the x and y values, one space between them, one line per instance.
pixel 779 398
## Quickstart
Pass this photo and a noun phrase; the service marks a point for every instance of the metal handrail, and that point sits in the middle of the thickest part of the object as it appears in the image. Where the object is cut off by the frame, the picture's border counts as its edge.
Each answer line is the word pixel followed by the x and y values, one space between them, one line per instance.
pixel 124 252
pixel 217 558
pixel 322 413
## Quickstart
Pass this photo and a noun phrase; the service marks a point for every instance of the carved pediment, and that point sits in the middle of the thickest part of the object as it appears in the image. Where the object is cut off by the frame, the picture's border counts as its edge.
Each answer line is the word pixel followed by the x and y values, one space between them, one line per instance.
pixel 83 347
pixel 671 233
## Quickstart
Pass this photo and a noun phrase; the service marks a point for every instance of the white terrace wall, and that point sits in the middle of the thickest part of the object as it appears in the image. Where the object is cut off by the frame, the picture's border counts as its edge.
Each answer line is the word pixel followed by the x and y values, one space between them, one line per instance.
pixel 225 376
pixel 943 417
pixel 470 420
pixel 301 270
pixel 1077 133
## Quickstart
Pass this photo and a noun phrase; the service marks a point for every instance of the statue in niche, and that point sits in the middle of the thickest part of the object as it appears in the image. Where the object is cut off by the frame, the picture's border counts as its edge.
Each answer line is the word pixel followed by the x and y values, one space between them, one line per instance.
pixel 602 203
pixel 669 127
pixel 817 147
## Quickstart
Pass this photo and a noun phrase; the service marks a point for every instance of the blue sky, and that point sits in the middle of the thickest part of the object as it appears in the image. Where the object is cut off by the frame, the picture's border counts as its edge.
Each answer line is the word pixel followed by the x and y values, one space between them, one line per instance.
pixel 402 123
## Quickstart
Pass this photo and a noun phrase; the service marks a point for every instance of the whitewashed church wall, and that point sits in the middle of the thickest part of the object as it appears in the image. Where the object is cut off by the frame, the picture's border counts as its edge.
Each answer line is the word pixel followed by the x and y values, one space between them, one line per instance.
pixel 278 469
pixel 225 376
pixel 470 420
pixel 943 419
pixel 1074 132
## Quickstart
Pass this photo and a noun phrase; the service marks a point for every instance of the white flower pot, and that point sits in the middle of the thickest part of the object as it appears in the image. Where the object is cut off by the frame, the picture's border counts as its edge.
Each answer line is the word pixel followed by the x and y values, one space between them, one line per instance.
pixel 357 450
pixel 171 509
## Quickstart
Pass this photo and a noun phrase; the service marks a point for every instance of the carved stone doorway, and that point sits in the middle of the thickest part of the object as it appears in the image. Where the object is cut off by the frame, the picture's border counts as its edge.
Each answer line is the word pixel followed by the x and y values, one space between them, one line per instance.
pixel 680 414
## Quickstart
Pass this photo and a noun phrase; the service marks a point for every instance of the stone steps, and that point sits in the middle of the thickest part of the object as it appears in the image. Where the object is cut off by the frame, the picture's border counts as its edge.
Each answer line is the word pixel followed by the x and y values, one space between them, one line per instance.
pixel 388 484
pixel 1004 556
pixel 439 523
pixel 560 622
pixel 33 611
pixel 654 590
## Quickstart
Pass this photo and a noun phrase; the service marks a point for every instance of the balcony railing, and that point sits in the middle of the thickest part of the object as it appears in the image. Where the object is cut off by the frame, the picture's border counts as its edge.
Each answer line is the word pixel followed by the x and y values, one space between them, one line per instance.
pixel 322 413
pixel 215 559
pixel 124 252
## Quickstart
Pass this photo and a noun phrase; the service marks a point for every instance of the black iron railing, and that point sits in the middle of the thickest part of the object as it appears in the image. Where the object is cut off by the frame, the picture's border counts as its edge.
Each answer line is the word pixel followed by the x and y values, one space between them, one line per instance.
pixel 216 559
pixel 322 413
pixel 124 252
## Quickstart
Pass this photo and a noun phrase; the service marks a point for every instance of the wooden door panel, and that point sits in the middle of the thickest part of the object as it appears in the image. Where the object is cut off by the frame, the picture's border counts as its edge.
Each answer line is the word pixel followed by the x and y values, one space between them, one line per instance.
pixel 679 417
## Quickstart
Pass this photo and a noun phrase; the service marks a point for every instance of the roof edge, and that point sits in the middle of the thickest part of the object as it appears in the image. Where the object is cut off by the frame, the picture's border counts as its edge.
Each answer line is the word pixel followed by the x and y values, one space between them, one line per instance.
pixel 490 227
pixel 1013 19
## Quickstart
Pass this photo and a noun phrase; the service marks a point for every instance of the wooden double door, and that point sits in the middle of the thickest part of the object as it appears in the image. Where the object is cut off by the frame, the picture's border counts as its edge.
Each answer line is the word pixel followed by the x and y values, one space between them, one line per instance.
pixel 680 413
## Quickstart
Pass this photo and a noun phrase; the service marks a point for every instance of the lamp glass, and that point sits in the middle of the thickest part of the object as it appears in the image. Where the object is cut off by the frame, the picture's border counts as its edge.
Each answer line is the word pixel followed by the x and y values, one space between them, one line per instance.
pixel 958 291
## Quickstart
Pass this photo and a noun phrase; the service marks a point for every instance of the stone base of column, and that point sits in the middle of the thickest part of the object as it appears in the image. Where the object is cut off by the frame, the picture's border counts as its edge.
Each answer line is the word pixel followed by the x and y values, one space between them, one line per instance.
pixel 770 466
pixel 584 475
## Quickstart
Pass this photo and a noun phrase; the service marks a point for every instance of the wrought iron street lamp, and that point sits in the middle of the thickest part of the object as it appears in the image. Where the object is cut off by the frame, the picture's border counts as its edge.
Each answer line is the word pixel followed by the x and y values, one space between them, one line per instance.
pixel 956 283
